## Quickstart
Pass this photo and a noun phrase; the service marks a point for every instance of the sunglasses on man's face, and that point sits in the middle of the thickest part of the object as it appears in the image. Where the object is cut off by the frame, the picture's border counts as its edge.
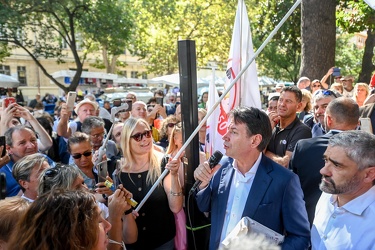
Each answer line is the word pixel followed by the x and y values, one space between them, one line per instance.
pixel 139 136
pixel 78 156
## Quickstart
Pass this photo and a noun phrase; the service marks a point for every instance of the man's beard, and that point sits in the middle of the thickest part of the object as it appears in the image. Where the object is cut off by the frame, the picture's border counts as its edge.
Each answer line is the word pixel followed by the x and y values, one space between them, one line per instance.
pixel 332 188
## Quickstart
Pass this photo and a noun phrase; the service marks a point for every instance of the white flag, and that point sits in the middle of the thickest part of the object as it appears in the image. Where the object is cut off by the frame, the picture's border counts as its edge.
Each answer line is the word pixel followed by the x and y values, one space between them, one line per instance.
pixel 213 139
pixel 246 90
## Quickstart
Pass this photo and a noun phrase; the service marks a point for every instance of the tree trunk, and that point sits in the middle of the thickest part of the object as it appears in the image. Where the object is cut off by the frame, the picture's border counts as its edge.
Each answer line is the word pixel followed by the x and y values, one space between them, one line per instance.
pixel 112 69
pixel 318 24
pixel 367 65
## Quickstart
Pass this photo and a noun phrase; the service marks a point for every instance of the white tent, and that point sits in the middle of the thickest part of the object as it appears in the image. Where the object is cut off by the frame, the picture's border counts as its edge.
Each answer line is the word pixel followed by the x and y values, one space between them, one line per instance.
pixel 174 80
pixel 8 81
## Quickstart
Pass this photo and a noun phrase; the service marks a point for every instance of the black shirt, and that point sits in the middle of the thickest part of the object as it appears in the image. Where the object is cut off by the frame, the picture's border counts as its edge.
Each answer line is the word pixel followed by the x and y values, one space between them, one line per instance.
pixel 283 140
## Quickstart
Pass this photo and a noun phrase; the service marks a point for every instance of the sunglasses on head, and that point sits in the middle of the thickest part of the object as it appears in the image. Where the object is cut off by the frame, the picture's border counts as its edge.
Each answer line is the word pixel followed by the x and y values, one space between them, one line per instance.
pixel 139 136
pixel 51 172
pixel 78 156
pixel 171 124
pixel 326 92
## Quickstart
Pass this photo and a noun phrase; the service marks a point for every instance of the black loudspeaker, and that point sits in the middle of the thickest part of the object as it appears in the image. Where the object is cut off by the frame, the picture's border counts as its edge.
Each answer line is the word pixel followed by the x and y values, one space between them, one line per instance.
pixel 199 229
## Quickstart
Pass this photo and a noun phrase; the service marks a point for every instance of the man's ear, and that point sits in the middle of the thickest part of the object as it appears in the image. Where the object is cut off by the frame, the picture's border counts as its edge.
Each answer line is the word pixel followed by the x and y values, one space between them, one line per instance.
pixel 299 105
pixel 256 140
pixel 329 120
pixel 370 175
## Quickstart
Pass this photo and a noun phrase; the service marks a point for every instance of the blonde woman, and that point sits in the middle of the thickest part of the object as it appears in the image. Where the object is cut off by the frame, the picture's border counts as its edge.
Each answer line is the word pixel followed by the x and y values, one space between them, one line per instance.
pixel 306 104
pixel 361 92
pixel 140 169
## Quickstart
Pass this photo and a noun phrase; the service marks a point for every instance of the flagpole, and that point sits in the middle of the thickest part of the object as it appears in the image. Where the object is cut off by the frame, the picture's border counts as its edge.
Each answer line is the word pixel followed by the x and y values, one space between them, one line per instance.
pixel 260 49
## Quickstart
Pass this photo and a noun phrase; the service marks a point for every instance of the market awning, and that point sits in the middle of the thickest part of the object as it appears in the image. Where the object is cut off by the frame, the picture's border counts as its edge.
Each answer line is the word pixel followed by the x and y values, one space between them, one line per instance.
pixel 8 81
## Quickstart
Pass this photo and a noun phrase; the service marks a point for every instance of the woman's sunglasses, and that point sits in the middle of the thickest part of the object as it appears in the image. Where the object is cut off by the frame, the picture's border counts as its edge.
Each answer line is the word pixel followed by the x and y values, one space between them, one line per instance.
pixel 171 124
pixel 78 156
pixel 139 136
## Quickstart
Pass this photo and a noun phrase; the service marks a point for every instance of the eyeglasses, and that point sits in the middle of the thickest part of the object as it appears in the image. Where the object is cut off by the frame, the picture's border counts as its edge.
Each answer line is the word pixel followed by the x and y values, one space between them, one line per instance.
pixel 78 156
pixel 171 125
pixel 96 136
pixel 139 136
pixel 325 92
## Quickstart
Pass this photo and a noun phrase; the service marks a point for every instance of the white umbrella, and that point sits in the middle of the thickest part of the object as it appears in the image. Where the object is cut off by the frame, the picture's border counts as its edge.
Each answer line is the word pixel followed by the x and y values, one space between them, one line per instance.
pixel 8 81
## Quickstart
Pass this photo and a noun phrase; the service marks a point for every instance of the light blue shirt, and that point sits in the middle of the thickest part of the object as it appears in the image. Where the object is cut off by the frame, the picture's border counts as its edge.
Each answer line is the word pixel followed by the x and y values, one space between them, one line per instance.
pixel 348 227
pixel 238 194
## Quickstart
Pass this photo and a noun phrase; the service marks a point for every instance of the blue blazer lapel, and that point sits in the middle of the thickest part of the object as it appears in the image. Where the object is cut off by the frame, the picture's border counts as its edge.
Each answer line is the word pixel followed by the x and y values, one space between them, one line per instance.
pixel 259 187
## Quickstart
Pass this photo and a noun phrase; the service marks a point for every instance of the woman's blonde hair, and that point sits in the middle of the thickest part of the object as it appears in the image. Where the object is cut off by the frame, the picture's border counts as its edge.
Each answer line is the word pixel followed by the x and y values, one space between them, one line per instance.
pixel 128 163
pixel 172 144
pixel 362 84
pixel 164 127
pixel 306 95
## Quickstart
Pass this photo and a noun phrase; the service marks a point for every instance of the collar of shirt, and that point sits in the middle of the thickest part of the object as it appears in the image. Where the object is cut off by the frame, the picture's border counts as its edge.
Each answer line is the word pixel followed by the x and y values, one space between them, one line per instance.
pixel 26 198
pixel 245 177
pixel 359 204
pixel 290 126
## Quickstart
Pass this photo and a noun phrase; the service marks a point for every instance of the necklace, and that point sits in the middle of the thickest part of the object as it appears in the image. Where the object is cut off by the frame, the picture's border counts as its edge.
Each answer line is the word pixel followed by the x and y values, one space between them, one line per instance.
pixel 141 168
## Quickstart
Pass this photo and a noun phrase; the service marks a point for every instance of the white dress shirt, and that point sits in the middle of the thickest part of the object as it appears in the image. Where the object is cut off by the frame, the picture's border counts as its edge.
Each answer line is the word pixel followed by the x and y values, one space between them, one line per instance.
pixel 351 226
pixel 239 191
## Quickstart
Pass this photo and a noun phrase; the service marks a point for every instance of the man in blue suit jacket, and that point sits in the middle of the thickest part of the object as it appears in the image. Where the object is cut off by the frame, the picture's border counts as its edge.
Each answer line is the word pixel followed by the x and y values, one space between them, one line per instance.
pixel 249 184
pixel 307 160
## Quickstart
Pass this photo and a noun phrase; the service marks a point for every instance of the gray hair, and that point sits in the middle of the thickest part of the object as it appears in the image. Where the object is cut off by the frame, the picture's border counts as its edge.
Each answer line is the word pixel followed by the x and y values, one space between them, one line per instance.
pixel 23 168
pixel 324 93
pixel 90 123
pixel 61 176
pixel 359 146
pixel 10 131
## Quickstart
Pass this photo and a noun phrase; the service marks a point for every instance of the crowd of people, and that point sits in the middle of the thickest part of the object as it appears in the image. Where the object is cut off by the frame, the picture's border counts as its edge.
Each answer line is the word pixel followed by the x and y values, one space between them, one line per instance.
pixel 303 169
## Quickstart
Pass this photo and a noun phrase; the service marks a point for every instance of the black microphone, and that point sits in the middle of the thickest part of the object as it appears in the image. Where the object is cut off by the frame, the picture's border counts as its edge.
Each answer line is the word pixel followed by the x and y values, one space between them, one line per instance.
pixel 213 161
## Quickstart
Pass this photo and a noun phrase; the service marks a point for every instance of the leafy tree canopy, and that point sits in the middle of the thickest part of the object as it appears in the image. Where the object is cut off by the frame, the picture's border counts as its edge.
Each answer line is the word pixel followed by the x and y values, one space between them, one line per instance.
pixel 41 27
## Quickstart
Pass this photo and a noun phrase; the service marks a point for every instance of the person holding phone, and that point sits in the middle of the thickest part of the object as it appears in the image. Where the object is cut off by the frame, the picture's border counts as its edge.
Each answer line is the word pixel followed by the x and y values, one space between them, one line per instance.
pixel 333 71
pixel 10 117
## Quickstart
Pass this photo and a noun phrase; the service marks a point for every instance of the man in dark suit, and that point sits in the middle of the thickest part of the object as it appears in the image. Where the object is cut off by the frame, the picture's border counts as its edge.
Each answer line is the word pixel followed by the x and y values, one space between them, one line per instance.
pixel 341 114
pixel 247 183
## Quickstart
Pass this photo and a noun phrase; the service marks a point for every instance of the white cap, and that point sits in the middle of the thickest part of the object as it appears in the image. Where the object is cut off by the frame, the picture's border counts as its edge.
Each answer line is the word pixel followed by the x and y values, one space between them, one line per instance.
pixel 86 101
pixel 270 96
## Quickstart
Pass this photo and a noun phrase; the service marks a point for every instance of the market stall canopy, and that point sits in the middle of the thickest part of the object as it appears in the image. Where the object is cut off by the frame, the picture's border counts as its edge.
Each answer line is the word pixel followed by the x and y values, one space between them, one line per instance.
pixel 174 80
pixel 8 81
